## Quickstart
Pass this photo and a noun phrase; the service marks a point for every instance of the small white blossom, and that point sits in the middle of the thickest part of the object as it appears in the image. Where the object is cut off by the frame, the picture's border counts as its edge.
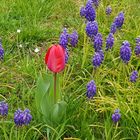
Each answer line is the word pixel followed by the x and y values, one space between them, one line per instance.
pixel 20 46
pixel 18 30
pixel 36 50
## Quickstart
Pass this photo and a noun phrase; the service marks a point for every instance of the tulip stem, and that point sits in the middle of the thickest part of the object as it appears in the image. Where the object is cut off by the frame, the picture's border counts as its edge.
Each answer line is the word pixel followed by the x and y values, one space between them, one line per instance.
pixel 55 87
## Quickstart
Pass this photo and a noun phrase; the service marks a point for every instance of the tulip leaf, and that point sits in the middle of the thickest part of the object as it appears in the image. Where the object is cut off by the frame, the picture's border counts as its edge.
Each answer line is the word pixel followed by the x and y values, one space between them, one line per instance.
pixel 59 111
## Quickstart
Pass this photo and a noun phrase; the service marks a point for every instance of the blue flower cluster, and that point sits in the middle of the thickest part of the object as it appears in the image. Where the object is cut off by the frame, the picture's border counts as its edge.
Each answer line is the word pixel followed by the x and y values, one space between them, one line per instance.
pixel 88 11
pixel 109 41
pixel 64 40
pixel 92 29
pixel 3 108
pixel 118 22
pixel 108 10
pixel 98 42
pixel 125 52
pixel 95 2
pixel 1 52
pixel 137 48
pixel 22 117
pixel 116 116
pixel 91 89
pixel 134 76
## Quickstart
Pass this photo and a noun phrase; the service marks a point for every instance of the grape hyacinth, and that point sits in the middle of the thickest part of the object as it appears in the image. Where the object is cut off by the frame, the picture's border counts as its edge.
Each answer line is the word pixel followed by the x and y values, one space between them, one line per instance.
pixel 125 52
pixel 113 28
pixel 137 50
pixel 119 20
pixel 108 10
pixel 3 108
pixel 66 55
pixel 91 29
pixel 22 117
pixel 97 60
pixel 98 42
pixel 134 76
pixel 64 37
pixel 101 55
pixel 82 11
pixel 109 41
pixel 138 41
pixel 116 116
pixel 90 13
pixel 95 2
pixel 73 38
pixel 91 89
pixel 1 52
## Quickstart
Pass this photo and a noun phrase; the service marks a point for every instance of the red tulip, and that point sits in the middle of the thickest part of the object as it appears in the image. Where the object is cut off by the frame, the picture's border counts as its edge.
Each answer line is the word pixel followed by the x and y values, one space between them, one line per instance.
pixel 55 58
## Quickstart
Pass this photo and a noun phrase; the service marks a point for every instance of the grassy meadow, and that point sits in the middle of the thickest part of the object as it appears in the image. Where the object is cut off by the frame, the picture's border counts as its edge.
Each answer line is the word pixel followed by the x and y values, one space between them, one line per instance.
pixel 40 23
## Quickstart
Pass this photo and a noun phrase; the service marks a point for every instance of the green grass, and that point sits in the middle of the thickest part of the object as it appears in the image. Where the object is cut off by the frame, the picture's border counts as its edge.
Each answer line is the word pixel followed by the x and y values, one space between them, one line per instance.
pixel 41 22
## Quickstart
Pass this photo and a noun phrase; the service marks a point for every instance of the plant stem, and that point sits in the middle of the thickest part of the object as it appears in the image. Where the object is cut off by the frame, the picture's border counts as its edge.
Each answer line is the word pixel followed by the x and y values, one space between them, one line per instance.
pixel 55 87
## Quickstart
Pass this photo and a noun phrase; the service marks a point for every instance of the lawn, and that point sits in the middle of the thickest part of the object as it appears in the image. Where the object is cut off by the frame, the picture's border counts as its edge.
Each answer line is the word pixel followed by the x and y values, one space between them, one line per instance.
pixel 27 30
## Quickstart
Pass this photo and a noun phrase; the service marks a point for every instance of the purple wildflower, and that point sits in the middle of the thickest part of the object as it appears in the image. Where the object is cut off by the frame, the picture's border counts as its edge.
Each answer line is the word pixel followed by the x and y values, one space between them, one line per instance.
pixel 3 108
pixel 125 52
pixel 66 55
pixel 91 29
pixel 1 51
pixel 109 41
pixel 27 117
pixel 73 38
pixel 137 50
pixel 22 117
pixel 113 28
pixel 101 55
pixel 63 41
pixel 138 41
pixel 95 2
pixel 119 20
pixel 91 89
pixel 108 10
pixel 97 60
pixel 90 13
pixel 98 42
pixel 134 76
pixel 116 116
pixel 82 11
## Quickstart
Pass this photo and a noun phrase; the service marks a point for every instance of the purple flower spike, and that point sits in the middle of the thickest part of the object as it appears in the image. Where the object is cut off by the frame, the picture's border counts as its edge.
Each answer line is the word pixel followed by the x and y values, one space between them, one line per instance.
pixel 113 28
pixel 90 13
pixel 73 38
pixel 96 2
pixel 66 55
pixel 101 55
pixel 134 76
pixel 27 117
pixel 138 41
pixel 116 116
pixel 22 117
pixel 3 108
pixel 97 60
pixel 98 42
pixel 137 50
pixel 108 10
pixel 91 89
pixel 82 11
pixel 1 52
pixel 109 41
pixel 125 52
pixel 119 20
pixel 91 29
pixel 64 37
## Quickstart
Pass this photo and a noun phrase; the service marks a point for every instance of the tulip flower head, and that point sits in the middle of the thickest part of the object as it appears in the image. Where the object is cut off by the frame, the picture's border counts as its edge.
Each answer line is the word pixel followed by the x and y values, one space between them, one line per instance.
pixel 55 58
